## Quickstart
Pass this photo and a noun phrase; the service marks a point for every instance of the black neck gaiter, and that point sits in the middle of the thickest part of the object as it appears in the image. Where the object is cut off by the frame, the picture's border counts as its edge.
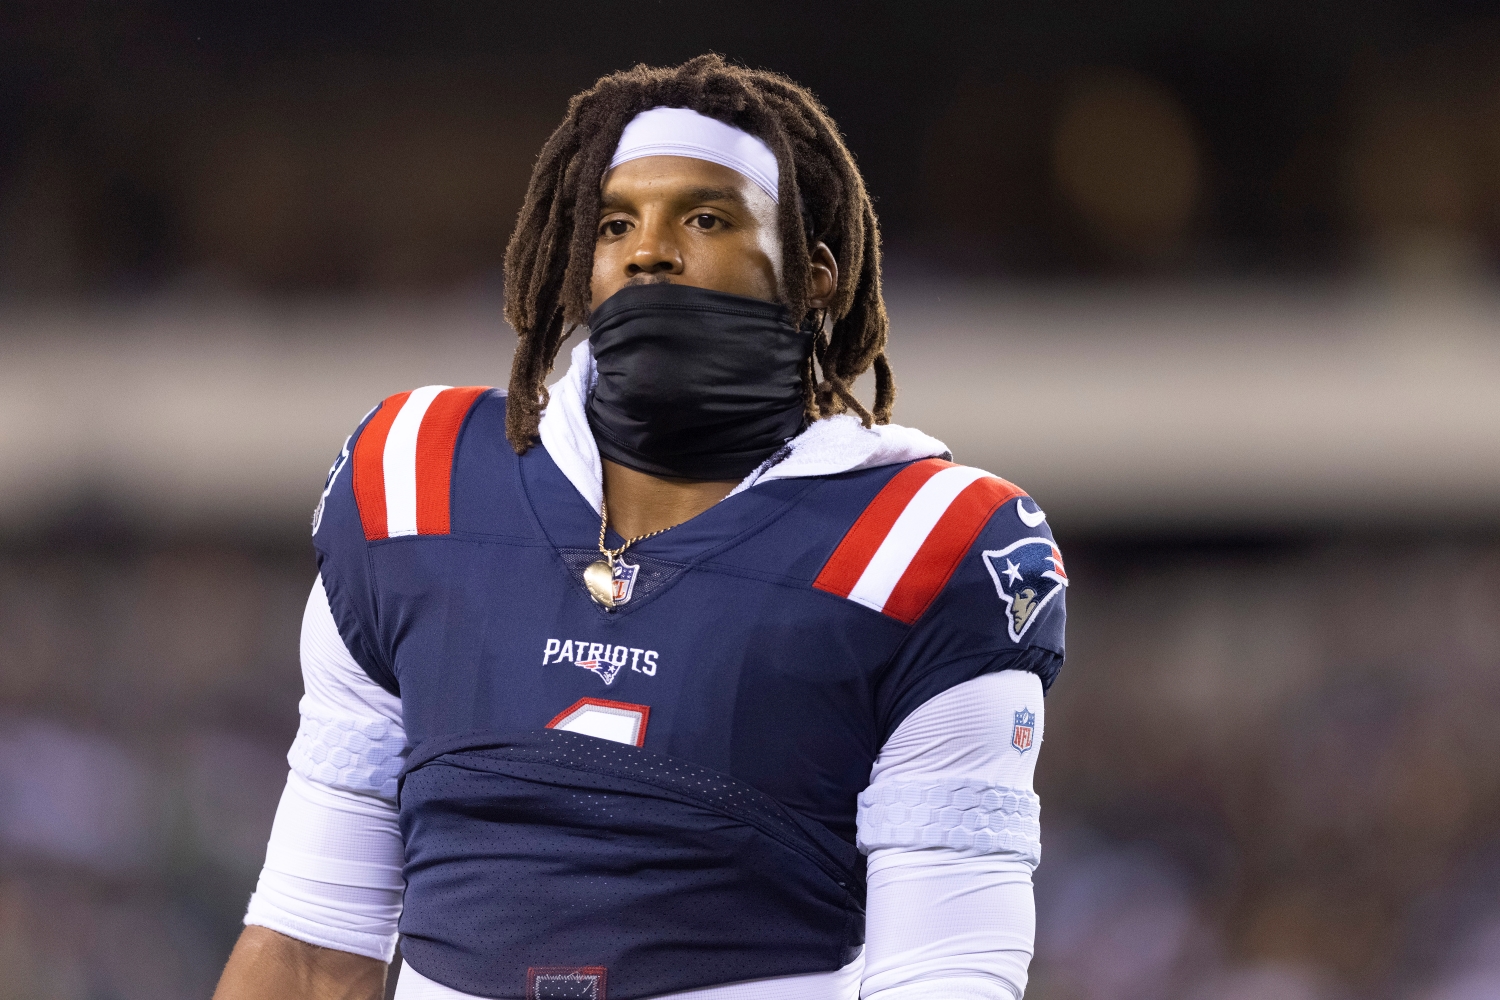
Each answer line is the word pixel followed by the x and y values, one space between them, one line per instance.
pixel 692 383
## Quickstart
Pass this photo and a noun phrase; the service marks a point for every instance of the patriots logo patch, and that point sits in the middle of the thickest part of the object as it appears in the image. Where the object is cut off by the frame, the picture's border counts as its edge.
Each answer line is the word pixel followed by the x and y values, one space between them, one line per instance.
pixel 1028 574
pixel 605 669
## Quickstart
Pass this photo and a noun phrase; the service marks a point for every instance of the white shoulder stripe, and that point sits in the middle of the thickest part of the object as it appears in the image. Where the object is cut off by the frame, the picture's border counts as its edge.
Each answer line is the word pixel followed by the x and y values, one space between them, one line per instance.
pixel 906 536
pixel 400 459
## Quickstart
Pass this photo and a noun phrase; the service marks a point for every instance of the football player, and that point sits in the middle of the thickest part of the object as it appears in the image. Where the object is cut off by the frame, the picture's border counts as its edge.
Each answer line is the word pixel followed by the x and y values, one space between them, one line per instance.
pixel 688 675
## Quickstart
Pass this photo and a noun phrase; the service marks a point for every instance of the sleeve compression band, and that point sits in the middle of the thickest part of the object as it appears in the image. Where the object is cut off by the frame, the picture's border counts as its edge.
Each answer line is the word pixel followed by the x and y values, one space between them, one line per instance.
pixel 333 865
pixel 950 824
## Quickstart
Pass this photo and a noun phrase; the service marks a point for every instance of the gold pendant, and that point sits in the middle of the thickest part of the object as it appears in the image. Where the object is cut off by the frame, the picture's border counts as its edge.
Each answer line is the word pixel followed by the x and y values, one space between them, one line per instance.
pixel 600 578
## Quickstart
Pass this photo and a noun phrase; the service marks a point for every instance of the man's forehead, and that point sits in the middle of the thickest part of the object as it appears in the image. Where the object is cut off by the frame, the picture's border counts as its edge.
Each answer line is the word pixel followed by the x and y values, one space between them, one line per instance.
pixel 683 132
pixel 678 178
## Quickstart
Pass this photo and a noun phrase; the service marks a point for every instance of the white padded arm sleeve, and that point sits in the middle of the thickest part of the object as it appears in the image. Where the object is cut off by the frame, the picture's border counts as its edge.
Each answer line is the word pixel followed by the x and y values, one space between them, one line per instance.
pixel 333 865
pixel 951 826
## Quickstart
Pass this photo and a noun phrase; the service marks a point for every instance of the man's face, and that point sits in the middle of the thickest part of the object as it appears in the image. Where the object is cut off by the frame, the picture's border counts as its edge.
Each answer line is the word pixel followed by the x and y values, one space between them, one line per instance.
pixel 688 222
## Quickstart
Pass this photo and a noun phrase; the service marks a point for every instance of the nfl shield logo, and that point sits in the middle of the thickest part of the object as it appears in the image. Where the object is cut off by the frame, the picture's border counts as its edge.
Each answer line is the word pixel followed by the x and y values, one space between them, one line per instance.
pixel 624 580
pixel 1025 726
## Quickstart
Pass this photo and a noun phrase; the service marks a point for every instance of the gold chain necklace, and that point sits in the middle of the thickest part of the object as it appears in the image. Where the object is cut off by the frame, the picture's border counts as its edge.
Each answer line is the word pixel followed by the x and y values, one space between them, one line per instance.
pixel 599 576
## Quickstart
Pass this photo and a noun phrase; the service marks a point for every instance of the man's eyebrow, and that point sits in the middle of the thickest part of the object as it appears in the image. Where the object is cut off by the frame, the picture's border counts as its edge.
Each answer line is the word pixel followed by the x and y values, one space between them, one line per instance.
pixel 712 194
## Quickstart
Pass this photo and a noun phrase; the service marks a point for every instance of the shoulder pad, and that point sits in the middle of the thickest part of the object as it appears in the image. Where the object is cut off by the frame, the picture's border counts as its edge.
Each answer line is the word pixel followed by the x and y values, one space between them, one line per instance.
pixel 403 461
pixel 905 546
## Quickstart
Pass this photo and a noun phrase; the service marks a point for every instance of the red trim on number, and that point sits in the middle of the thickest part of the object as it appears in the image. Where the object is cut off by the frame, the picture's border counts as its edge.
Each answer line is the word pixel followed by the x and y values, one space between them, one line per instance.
pixel 643 710
pixel 848 562
pixel 436 440
pixel 369 467
pixel 933 565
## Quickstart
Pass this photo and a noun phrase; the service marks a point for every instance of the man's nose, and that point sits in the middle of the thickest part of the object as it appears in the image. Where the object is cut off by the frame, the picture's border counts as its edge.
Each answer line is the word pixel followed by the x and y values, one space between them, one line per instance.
pixel 655 253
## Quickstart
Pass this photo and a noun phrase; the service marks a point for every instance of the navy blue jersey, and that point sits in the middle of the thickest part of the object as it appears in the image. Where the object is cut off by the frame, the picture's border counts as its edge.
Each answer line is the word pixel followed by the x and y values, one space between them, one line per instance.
pixel 757 658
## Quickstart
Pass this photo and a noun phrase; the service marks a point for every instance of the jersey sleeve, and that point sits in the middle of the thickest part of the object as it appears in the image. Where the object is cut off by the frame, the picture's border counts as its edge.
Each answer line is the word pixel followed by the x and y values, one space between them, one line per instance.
pixel 952 828
pixel 343 554
pixel 332 875
pixel 1002 604
pixel 392 479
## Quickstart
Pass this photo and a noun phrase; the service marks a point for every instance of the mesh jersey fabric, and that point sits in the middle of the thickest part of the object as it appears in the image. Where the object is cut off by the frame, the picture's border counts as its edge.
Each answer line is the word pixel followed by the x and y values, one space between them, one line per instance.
pixel 946 742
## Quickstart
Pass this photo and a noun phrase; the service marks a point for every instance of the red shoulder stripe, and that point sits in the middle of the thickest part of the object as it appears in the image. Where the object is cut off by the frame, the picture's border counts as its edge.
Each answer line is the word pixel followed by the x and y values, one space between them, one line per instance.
pixel 843 569
pixel 369 467
pixel 933 565
pixel 436 441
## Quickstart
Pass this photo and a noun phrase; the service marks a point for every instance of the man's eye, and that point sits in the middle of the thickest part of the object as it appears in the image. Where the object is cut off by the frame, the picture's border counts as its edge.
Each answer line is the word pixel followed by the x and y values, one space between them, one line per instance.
pixel 706 221
pixel 614 227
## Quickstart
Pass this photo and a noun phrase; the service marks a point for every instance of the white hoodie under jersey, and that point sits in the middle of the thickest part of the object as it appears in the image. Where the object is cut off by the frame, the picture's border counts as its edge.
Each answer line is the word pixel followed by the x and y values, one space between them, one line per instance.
pixel 955 922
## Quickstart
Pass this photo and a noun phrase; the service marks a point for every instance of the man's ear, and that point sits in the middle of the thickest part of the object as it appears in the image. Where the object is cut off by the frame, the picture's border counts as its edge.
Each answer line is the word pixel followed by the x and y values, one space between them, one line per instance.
pixel 822 277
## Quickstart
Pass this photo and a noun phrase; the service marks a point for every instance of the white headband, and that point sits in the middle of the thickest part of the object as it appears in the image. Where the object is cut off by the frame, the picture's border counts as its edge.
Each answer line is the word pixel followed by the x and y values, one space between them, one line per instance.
pixel 684 132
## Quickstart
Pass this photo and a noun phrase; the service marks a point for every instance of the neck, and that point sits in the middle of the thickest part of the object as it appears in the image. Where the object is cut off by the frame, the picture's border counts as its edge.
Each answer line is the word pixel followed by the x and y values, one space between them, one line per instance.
pixel 640 503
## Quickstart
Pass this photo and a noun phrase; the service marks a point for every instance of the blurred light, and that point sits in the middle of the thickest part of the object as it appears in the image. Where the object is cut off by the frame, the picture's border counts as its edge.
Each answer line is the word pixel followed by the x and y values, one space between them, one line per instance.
pixel 1125 156
pixel 1412 186
pixel 39 251
pixel 1481 984
pixel 1271 981
pixel 1113 923
pixel 1475 972
pixel 410 184
pixel 74 797
pixel 233 785
pixel 984 167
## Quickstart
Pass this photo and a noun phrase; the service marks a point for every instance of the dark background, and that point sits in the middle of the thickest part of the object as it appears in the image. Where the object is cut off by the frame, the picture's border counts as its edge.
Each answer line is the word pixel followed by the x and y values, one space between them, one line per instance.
pixel 1273 765
pixel 152 145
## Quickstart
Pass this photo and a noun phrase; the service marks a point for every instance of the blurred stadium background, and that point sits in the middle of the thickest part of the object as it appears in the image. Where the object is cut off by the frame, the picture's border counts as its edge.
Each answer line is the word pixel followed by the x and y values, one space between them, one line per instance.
pixel 1219 284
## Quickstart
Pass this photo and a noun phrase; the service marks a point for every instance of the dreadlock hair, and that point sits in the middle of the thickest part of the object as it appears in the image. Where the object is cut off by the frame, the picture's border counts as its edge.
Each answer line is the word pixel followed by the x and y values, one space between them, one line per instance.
pixel 550 259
